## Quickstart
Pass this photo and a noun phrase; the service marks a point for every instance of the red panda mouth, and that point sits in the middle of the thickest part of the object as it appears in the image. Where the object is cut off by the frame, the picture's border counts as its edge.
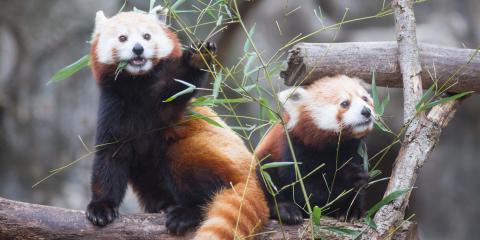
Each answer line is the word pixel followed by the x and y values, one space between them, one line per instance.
pixel 364 123
pixel 137 61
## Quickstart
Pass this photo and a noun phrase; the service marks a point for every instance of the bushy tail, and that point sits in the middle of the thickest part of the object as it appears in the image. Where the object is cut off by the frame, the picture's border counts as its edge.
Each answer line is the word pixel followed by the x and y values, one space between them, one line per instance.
pixel 231 216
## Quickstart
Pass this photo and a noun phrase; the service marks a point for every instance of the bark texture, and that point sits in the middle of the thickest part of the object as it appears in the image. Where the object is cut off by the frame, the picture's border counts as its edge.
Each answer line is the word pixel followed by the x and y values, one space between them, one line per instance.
pixel 20 220
pixel 421 134
pixel 310 61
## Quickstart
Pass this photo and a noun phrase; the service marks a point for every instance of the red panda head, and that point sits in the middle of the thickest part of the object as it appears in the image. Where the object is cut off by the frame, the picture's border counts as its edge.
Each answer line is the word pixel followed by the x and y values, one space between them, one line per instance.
pixel 138 39
pixel 332 105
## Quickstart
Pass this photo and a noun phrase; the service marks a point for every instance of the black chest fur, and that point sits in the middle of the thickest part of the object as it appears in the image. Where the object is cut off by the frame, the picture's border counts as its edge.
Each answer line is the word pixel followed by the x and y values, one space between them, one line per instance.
pixel 342 170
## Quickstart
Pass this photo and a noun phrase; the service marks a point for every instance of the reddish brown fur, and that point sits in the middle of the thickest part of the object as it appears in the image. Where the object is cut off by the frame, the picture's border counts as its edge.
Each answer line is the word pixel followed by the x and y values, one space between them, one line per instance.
pixel 199 145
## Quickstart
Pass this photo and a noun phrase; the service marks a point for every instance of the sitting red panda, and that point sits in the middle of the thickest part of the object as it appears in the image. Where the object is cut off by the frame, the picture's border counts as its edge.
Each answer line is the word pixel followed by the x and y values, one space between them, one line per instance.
pixel 316 117
pixel 198 173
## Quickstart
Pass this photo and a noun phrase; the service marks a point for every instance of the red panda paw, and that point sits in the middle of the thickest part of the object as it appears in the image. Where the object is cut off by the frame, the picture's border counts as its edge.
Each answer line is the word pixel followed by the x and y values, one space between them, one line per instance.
pixel 289 213
pixel 181 219
pixel 101 213
pixel 201 54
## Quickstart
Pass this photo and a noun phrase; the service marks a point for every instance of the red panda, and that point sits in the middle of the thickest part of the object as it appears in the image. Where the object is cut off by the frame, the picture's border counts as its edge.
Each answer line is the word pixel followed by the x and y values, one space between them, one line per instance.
pixel 326 122
pixel 199 174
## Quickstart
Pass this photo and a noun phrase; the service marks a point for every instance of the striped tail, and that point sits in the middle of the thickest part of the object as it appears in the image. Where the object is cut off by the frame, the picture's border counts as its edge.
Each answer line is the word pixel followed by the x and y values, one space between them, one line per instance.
pixel 231 217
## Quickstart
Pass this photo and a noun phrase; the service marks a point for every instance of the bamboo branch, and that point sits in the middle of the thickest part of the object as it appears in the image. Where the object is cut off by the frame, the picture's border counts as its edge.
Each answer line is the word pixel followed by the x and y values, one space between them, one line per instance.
pixel 20 220
pixel 310 61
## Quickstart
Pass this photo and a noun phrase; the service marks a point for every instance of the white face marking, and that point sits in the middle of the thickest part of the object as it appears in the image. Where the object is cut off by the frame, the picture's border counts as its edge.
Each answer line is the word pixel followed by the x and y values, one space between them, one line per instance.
pixel 133 26
pixel 325 116
pixel 353 117
pixel 323 102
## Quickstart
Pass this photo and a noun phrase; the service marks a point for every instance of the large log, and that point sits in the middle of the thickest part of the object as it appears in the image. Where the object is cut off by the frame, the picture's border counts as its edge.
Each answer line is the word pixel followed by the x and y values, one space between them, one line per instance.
pixel 20 220
pixel 310 61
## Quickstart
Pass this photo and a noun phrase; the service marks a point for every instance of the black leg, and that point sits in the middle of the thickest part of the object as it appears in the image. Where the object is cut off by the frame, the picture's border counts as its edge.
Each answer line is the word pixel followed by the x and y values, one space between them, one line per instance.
pixel 109 183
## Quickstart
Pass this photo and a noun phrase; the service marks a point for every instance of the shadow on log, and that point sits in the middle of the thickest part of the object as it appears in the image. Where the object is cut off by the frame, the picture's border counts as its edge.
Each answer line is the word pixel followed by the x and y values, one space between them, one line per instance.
pixel 20 220
pixel 310 61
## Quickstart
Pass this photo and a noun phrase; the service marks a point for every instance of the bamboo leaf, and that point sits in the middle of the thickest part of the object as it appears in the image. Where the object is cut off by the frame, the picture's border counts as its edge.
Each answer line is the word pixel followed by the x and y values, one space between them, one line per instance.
pixel 197 115
pixel 424 98
pixel 216 84
pixel 177 4
pixel 362 151
pixel 447 99
pixel 386 200
pixel 246 45
pixel 276 165
pixel 268 180
pixel 376 102
pixel 71 69
pixel 190 88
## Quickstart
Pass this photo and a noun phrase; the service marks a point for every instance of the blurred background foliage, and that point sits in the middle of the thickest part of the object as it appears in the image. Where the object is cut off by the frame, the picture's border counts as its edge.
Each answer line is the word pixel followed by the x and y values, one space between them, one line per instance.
pixel 39 124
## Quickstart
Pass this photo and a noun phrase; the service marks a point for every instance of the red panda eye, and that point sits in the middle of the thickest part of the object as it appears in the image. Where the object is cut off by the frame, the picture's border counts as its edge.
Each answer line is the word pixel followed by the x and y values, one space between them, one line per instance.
pixel 146 36
pixel 345 104
pixel 122 38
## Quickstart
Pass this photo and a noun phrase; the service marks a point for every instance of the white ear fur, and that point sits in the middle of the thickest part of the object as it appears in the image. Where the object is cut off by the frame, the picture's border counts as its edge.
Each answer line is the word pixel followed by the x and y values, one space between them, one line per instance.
pixel 161 12
pixel 294 94
pixel 100 19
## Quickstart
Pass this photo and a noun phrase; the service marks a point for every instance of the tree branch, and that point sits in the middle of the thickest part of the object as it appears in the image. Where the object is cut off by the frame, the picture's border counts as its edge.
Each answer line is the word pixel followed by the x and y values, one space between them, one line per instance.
pixel 422 133
pixel 310 61
pixel 20 220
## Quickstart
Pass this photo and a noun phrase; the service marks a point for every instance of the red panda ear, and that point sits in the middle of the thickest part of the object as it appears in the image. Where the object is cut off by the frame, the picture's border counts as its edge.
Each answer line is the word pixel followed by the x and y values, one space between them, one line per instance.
pixel 295 94
pixel 100 20
pixel 160 12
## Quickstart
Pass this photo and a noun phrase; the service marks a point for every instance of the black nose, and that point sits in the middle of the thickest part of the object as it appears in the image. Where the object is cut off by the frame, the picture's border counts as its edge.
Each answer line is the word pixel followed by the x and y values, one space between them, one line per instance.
pixel 138 49
pixel 366 112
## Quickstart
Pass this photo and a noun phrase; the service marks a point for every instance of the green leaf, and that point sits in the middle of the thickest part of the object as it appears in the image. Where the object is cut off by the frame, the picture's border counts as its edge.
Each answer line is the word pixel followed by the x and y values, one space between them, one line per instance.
pixel 219 20
pixel 246 45
pixel 384 104
pixel 276 165
pixel 190 88
pixel 386 200
pixel 71 69
pixel 344 231
pixel 268 180
pixel 447 99
pixel 121 65
pixel 372 174
pixel 247 68
pixel 211 102
pixel 216 84
pixel 245 88
pixel 426 95
pixel 197 115
pixel 378 106
pixel 379 125
pixel 265 111
pixel 376 102
pixel 362 151
pixel 177 4
pixel 316 215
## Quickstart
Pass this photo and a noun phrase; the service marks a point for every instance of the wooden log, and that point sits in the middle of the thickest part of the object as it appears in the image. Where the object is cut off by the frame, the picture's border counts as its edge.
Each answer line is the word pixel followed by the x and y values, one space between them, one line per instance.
pixel 310 61
pixel 20 220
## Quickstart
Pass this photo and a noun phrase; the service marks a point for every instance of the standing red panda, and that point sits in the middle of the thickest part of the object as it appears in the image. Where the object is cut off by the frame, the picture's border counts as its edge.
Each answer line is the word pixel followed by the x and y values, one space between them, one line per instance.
pixel 198 173
pixel 316 117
